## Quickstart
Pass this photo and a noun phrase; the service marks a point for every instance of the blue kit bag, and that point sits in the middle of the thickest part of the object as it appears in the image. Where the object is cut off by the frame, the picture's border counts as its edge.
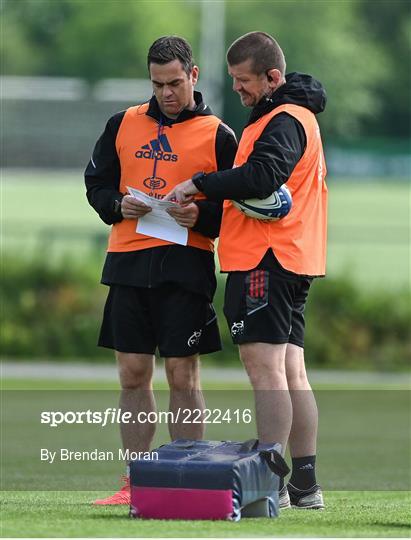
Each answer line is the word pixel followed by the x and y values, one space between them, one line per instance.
pixel 208 480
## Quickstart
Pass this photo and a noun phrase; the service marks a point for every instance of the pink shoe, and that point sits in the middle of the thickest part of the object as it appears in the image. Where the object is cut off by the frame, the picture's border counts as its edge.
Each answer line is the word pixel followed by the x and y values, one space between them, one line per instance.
pixel 121 497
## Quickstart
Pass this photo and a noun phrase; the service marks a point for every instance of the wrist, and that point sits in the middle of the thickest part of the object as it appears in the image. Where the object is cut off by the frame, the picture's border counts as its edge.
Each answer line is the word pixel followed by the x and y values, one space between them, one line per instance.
pixel 198 180
pixel 117 206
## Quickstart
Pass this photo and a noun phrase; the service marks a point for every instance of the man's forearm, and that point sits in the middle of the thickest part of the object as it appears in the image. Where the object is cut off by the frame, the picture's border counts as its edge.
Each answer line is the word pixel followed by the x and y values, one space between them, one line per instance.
pixel 274 156
pixel 102 199
pixel 247 181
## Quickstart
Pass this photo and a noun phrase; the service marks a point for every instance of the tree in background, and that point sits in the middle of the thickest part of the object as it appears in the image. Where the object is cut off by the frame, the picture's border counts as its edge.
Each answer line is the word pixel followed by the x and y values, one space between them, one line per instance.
pixel 328 40
pixel 31 30
pixel 358 49
pixel 91 39
pixel 389 24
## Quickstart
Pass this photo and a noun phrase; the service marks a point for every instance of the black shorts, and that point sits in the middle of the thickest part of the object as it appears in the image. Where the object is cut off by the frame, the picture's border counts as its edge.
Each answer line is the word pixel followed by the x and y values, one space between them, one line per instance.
pixel 266 305
pixel 177 322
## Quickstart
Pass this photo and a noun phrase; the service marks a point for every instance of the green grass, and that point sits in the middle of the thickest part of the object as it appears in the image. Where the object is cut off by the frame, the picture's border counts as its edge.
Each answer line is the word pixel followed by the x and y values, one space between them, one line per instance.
pixel 368 223
pixel 67 384
pixel 49 209
pixel 369 232
pixel 70 515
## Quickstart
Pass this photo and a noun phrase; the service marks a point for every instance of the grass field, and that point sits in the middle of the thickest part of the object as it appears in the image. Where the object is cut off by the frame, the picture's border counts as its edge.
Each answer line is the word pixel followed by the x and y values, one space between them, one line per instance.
pixel 368 223
pixel 70 515
pixel 363 466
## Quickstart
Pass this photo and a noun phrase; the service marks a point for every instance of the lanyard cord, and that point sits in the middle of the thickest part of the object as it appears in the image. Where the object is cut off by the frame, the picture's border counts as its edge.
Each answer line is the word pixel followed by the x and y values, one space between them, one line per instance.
pixel 153 177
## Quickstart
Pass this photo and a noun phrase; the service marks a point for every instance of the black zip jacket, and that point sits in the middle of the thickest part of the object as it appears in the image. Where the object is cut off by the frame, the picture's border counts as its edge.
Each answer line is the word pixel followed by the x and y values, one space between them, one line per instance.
pixel 190 267
pixel 278 149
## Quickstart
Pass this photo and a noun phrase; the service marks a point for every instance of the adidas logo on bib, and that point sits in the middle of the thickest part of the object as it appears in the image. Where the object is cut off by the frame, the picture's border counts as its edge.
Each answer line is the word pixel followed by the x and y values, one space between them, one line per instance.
pixel 157 148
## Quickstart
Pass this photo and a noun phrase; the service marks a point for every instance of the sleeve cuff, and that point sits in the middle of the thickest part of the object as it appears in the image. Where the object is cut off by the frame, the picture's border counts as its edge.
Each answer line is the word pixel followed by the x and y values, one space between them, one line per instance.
pixel 198 180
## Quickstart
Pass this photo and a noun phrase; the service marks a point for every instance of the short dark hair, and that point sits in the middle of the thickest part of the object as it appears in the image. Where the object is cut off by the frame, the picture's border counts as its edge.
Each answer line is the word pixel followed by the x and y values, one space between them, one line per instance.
pixel 169 48
pixel 259 47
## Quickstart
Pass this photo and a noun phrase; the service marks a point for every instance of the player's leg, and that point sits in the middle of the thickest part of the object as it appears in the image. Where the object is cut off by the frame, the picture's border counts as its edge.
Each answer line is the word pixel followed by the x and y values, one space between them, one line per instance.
pixel 187 327
pixel 183 375
pixel 303 436
pixel 265 365
pixel 258 306
pixel 135 371
pixel 126 328
pixel 302 486
pixel 136 396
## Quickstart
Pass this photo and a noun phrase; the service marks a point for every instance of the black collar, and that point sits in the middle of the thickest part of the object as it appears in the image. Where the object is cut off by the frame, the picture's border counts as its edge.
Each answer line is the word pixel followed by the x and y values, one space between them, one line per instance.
pixel 299 89
pixel 265 105
pixel 201 109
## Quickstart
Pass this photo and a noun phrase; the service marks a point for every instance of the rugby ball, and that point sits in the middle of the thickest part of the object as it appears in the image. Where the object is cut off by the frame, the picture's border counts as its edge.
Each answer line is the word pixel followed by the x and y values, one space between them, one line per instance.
pixel 273 208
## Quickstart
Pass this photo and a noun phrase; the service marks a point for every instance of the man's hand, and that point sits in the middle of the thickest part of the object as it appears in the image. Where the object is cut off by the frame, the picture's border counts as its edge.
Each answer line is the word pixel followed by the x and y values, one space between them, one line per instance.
pixel 186 216
pixel 184 192
pixel 132 208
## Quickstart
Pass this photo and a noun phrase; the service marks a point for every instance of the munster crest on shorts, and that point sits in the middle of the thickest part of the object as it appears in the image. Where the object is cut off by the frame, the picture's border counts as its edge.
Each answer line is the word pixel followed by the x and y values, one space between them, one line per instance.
pixel 237 328
pixel 194 339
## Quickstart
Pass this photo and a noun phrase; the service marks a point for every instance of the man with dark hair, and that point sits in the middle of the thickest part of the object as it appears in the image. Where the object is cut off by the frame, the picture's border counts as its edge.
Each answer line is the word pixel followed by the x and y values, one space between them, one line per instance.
pixel 169 48
pixel 271 264
pixel 160 292
pixel 259 47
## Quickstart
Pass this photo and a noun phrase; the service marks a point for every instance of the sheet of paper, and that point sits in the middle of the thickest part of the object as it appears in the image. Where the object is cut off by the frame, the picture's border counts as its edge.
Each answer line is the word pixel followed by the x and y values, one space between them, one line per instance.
pixel 158 223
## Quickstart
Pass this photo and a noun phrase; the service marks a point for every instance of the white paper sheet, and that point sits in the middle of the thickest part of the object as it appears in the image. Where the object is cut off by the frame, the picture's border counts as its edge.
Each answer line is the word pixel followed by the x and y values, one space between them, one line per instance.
pixel 158 223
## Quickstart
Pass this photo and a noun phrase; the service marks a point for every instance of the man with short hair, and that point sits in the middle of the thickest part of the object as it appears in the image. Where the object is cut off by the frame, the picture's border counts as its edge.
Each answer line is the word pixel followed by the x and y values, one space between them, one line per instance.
pixel 160 292
pixel 281 144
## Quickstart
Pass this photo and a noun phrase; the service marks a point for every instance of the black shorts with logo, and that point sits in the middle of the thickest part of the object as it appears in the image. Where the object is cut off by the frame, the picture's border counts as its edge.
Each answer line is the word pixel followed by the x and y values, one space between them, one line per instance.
pixel 177 322
pixel 266 304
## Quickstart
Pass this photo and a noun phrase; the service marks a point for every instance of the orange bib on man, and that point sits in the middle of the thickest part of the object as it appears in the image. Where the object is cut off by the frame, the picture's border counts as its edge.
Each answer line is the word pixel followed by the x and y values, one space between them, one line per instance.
pixel 299 239
pixel 181 150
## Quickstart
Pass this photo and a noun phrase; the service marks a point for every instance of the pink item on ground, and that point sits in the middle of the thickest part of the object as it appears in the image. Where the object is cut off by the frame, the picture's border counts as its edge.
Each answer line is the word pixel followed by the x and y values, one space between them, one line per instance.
pixel 181 503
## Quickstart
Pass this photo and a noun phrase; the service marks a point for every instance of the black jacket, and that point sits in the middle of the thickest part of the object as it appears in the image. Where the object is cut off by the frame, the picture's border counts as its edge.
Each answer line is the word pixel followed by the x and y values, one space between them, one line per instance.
pixel 187 266
pixel 278 149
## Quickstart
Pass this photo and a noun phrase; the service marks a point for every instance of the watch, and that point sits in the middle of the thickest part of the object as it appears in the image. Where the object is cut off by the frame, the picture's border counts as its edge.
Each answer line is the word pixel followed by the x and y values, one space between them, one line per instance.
pixel 198 179
pixel 117 206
